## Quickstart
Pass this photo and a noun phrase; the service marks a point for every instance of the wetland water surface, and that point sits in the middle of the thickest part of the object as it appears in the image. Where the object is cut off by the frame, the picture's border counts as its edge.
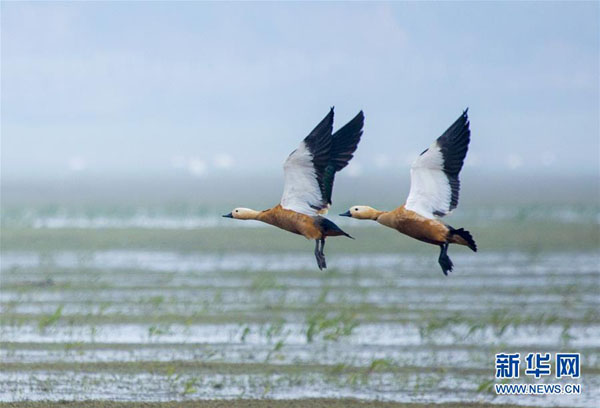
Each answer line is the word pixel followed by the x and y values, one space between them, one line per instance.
pixel 154 324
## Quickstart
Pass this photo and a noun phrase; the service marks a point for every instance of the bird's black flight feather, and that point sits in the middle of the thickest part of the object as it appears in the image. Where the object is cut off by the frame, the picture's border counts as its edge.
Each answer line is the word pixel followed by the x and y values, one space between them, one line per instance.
pixel 453 144
pixel 332 152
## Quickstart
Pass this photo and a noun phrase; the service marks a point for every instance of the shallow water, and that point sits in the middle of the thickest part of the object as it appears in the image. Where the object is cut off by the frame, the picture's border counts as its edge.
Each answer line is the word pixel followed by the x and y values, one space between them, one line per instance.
pixel 166 325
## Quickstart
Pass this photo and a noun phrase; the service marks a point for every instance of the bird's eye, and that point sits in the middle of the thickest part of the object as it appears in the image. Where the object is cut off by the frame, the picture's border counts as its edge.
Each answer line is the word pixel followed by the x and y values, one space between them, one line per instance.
pixel 237 210
pixel 356 209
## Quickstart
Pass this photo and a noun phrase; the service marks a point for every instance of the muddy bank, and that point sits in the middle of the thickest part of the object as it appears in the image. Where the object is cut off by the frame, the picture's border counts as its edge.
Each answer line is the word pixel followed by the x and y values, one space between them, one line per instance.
pixel 304 403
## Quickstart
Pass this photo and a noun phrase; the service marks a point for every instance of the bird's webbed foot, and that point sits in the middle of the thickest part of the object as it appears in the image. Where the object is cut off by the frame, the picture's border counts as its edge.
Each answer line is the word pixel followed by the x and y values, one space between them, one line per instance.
pixel 319 255
pixel 444 259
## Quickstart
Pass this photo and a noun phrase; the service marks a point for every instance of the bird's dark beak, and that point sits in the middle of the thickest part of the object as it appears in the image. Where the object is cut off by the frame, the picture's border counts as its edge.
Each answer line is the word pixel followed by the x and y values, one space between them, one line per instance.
pixel 230 215
pixel 346 214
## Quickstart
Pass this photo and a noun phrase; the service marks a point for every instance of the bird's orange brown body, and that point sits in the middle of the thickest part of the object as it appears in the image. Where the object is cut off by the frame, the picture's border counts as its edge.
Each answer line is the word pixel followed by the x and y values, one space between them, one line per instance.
pixel 308 226
pixel 291 221
pixel 418 227
pixel 414 225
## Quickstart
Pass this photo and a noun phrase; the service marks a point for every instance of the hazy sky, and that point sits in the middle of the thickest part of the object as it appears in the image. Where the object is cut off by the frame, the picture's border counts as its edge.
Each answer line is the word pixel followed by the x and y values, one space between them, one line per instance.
pixel 206 88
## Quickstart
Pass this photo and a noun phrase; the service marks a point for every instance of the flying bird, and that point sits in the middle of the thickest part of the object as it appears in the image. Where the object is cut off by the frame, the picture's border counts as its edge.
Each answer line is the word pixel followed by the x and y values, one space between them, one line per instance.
pixel 434 188
pixel 309 172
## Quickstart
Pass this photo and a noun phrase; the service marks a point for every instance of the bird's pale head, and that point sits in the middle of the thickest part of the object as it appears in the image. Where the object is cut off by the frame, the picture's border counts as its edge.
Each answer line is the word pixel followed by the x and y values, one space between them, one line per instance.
pixel 241 213
pixel 362 212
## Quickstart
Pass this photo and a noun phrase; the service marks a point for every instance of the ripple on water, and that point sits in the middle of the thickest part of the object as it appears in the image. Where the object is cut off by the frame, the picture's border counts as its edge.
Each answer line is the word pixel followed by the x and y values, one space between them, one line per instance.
pixel 380 334
pixel 489 263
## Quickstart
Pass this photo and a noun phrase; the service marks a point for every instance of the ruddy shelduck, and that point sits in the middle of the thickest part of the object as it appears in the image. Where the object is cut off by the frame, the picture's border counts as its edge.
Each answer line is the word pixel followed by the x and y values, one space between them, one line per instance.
pixel 434 188
pixel 309 172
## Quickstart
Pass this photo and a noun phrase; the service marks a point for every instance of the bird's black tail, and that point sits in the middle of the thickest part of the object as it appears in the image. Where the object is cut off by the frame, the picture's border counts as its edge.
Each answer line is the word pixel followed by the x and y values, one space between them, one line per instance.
pixel 464 237
pixel 329 229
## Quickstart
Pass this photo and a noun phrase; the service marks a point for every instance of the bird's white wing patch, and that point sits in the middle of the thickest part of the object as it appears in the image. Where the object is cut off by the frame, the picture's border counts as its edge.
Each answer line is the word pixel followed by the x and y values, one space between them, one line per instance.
pixel 301 190
pixel 430 191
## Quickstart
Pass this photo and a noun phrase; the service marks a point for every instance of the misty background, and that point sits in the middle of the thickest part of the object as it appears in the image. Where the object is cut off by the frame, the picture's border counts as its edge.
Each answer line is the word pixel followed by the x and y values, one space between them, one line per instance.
pixel 186 101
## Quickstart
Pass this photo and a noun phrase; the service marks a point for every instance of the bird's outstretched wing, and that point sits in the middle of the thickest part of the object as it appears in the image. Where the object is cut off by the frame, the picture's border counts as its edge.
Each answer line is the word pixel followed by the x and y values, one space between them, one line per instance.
pixel 434 183
pixel 309 171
